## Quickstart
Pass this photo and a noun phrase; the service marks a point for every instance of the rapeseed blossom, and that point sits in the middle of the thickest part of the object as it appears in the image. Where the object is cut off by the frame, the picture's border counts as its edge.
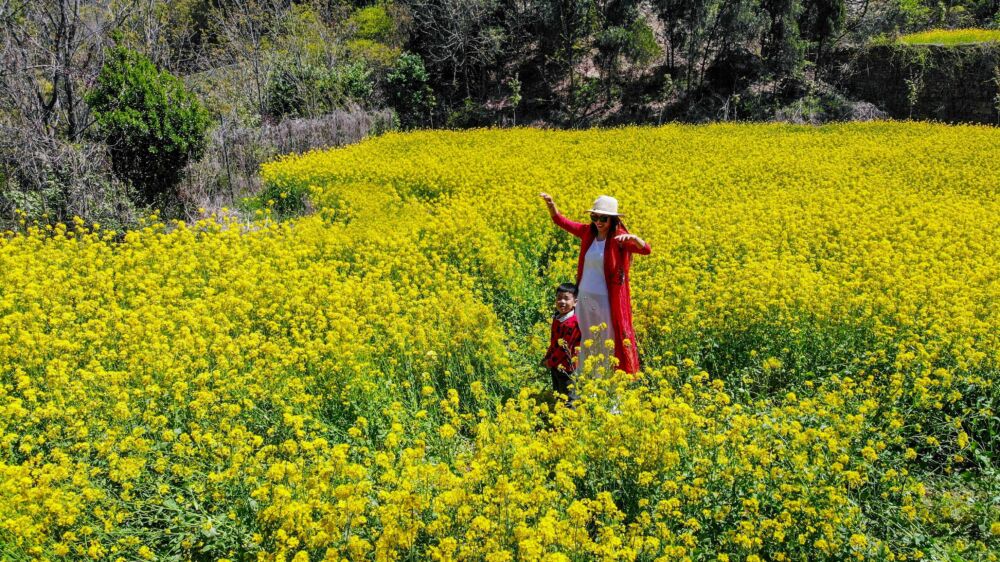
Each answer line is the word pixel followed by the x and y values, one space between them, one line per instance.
pixel 818 323
pixel 951 37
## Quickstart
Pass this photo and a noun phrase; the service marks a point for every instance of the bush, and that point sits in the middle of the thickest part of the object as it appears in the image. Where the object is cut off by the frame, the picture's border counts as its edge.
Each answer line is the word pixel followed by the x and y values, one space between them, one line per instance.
pixel 151 123
pixel 293 91
pixel 408 90
pixel 642 46
pixel 45 179
pixel 354 81
pixel 468 114
pixel 373 23
pixel 372 52
pixel 228 175
pixel 311 91
pixel 946 83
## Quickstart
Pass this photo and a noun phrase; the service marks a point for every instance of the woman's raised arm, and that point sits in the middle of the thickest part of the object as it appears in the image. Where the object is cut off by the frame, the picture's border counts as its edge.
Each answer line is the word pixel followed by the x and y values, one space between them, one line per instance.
pixel 575 228
pixel 550 204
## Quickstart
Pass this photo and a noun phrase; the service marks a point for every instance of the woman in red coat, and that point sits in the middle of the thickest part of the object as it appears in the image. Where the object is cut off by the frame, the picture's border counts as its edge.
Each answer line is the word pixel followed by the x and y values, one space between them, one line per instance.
pixel 602 274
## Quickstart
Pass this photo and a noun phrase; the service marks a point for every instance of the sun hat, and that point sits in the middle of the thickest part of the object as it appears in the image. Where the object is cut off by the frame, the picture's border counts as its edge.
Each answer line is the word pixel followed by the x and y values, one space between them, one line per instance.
pixel 605 205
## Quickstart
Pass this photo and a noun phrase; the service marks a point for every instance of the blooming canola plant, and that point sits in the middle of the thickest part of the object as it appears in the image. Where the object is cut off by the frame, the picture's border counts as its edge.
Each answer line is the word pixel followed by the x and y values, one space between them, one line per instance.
pixel 818 323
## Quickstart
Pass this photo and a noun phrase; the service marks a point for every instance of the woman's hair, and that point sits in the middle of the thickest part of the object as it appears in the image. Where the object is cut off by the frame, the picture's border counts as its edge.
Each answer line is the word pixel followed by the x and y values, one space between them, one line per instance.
pixel 615 225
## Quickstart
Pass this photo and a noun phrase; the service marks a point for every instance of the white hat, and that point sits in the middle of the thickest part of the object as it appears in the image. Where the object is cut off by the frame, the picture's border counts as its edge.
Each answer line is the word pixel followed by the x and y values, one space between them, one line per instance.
pixel 605 205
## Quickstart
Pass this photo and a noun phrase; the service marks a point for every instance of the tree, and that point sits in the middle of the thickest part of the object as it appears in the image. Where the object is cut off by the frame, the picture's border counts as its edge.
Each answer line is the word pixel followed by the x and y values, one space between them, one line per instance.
pixel 410 93
pixel 820 21
pixel 50 50
pixel 782 46
pixel 461 42
pixel 152 124
pixel 703 33
pixel 566 29
pixel 623 37
pixel 241 33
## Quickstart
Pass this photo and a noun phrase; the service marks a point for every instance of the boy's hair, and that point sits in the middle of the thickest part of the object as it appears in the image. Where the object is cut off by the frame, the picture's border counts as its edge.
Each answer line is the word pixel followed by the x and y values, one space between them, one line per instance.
pixel 570 288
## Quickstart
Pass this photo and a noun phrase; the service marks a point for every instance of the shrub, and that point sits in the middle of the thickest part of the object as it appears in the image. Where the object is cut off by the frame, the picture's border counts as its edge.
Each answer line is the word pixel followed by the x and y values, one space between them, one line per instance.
pixel 45 179
pixel 408 90
pixel 373 52
pixel 152 124
pixel 467 114
pixel 373 23
pixel 311 91
pixel 293 91
pixel 354 81
pixel 642 46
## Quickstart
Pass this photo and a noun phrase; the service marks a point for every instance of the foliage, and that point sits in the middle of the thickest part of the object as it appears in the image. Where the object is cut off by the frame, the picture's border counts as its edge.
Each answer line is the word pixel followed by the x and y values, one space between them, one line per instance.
pixel 821 21
pixel 515 96
pixel 372 52
pixel 783 48
pixel 642 46
pixel 901 16
pixel 409 90
pixel 468 114
pixel 294 91
pixel 77 181
pixel 818 321
pixel 50 52
pixel 44 180
pixel 915 12
pixel 356 81
pixel 228 177
pixel 708 34
pixel 621 44
pixel 303 37
pixel 152 124
pixel 311 91
pixel 373 23
pixel 279 203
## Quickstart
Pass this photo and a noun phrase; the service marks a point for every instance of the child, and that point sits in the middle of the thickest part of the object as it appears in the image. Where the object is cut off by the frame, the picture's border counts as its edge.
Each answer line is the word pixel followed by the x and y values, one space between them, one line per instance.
pixel 564 342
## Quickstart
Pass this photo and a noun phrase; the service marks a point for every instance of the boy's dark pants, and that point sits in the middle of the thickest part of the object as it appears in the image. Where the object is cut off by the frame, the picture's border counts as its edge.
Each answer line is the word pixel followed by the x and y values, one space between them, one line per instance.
pixel 561 380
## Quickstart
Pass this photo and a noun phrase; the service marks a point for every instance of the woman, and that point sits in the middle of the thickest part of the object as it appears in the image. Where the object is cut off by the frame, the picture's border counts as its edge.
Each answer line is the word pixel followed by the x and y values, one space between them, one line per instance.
pixel 606 250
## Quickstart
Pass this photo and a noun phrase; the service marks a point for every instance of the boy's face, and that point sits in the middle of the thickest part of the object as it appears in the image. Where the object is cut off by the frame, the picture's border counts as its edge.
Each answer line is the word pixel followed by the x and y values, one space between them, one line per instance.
pixel 565 302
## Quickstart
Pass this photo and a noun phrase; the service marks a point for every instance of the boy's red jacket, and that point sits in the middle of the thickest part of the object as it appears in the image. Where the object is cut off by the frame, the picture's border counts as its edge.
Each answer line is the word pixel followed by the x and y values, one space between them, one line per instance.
pixel 563 356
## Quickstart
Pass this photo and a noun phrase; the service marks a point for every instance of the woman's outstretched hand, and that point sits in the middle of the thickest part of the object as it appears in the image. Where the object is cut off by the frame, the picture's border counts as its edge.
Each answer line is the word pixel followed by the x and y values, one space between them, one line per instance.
pixel 550 203
pixel 637 242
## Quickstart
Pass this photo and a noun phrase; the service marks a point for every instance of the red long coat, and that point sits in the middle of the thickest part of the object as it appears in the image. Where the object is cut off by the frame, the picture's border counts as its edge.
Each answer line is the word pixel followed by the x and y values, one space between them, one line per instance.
pixel 617 260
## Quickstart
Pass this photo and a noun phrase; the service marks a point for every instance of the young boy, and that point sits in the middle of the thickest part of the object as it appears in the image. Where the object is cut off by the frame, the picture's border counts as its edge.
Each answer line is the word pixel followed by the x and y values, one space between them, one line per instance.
pixel 564 342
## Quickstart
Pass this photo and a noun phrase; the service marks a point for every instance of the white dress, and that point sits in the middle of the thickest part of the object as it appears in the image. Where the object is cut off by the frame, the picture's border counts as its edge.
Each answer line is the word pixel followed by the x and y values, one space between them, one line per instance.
pixel 593 307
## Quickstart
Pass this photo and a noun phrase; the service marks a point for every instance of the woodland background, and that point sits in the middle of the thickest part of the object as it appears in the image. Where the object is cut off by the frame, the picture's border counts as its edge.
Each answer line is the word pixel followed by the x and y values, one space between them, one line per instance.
pixel 112 109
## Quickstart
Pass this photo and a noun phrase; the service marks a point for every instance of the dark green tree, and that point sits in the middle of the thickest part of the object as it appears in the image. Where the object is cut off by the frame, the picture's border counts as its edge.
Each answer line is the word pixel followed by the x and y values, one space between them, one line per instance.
pixel 409 91
pixel 153 126
pixel 462 43
pixel 702 34
pixel 623 39
pixel 819 23
pixel 782 47
pixel 565 31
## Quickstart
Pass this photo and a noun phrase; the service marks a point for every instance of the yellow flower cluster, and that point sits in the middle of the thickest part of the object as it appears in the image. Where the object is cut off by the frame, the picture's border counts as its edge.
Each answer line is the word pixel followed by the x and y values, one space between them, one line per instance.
pixel 818 321
pixel 952 37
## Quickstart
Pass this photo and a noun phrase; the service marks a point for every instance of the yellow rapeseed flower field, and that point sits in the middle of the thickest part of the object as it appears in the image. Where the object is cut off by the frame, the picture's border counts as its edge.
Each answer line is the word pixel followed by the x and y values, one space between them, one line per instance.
pixel 951 37
pixel 819 323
